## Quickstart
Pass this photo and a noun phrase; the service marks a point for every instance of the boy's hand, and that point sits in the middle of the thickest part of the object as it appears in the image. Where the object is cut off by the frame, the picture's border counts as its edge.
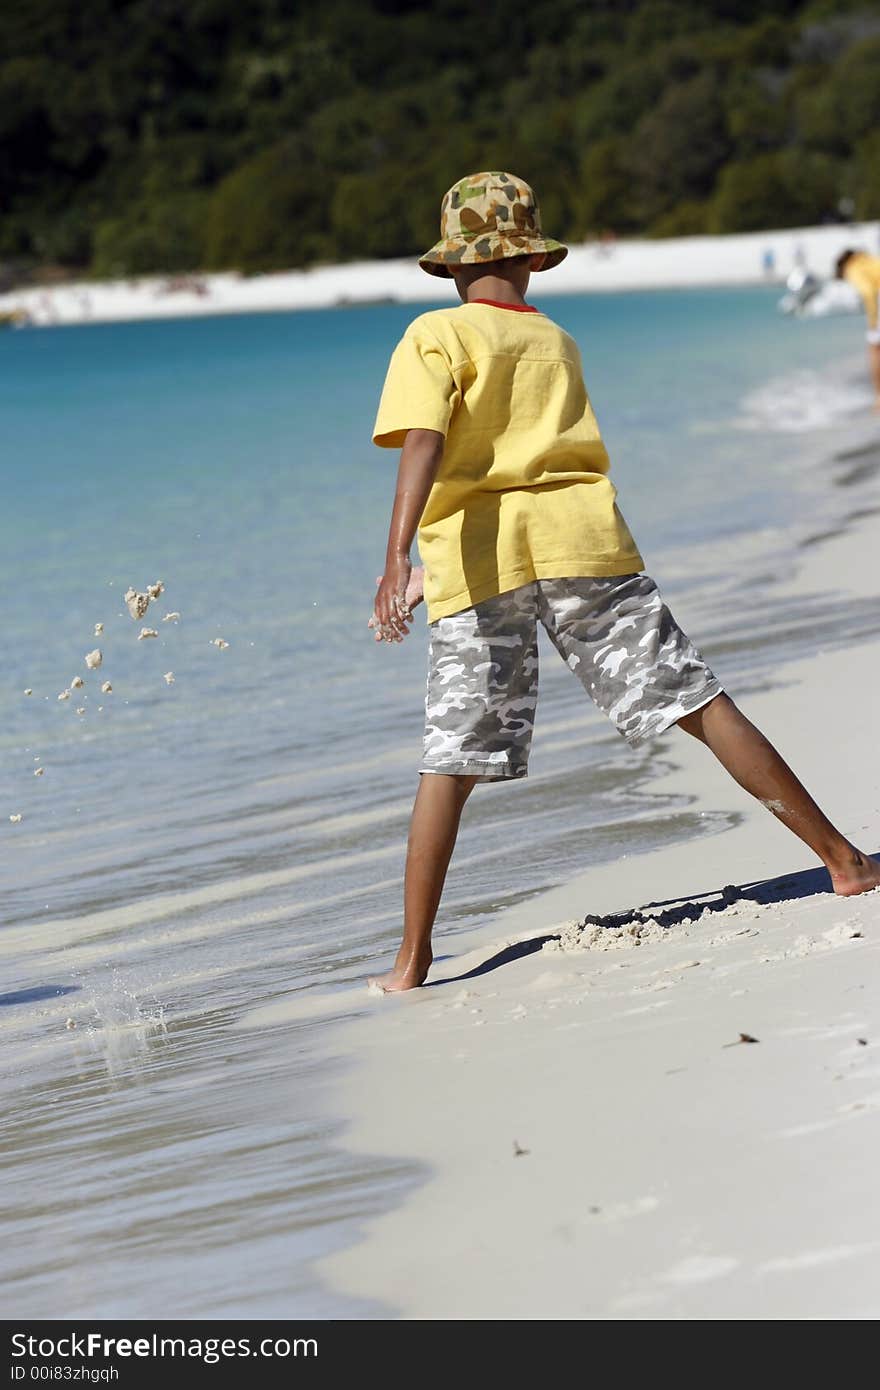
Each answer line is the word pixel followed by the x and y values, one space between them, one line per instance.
pixel 401 589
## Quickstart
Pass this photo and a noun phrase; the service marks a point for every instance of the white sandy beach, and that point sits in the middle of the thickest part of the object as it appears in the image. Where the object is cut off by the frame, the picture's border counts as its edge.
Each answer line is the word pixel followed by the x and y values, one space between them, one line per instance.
pixel 597 1141
pixel 198 890
pixel 626 265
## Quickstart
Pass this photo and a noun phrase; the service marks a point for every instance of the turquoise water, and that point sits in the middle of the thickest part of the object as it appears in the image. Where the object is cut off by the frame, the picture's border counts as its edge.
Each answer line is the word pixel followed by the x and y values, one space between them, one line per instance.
pixel 198 848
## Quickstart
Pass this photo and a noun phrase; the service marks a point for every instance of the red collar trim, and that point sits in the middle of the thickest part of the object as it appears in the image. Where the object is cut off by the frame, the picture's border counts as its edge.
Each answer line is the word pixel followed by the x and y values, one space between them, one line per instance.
pixel 517 308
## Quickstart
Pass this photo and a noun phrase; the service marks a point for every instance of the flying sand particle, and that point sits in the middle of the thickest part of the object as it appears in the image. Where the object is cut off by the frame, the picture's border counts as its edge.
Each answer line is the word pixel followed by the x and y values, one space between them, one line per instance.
pixel 38 771
pixel 65 695
pixel 219 643
pixel 137 604
pixel 147 632
pixel 171 618
pixel 70 1023
pixel 81 710
pixel 154 590
pixel 168 678
pixel 106 688
pixel 15 819
pixel 99 628
pixel 28 691
pixel 94 659
pixel 76 682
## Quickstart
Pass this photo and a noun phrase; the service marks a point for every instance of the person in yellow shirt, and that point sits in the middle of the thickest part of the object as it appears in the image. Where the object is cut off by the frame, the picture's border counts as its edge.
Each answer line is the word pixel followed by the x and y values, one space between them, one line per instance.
pixel 504 472
pixel 863 273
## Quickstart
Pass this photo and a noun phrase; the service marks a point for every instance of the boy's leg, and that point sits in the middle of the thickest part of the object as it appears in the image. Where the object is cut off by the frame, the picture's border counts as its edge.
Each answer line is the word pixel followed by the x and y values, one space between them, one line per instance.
pixel 753 762
pixel 479 710
pixel 432 834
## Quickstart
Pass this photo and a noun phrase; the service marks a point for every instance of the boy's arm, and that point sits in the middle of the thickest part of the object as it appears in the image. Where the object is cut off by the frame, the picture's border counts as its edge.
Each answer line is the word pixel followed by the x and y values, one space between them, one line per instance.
pixel 419 461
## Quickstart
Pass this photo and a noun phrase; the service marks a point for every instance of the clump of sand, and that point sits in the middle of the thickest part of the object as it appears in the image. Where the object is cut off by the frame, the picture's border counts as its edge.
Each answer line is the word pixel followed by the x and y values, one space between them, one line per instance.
pixel 137 604
pixel 574 936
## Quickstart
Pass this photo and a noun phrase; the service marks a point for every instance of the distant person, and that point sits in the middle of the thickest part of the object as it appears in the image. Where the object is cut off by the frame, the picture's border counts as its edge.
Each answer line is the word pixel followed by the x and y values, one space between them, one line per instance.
pixel 47 305
pixel 504 472
pixel 863 273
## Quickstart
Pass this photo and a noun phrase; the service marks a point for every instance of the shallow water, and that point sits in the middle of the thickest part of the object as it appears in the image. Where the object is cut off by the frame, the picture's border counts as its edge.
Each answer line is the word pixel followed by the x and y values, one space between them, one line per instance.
pixel 196 850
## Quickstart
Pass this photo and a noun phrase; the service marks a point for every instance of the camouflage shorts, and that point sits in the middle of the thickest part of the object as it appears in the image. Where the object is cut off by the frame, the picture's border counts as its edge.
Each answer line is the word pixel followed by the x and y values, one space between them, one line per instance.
pixel 618 637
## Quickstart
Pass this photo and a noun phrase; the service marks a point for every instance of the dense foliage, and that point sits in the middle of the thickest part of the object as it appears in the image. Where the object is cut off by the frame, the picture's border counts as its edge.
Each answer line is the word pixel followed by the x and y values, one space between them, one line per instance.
pixel 140 135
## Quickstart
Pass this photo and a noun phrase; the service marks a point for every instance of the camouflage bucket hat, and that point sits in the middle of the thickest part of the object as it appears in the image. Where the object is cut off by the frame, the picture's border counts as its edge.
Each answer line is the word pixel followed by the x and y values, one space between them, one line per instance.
pixel 488 217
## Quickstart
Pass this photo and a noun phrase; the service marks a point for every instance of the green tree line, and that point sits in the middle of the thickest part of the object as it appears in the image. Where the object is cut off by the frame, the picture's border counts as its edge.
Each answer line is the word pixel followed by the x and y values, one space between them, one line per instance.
pixel 150 135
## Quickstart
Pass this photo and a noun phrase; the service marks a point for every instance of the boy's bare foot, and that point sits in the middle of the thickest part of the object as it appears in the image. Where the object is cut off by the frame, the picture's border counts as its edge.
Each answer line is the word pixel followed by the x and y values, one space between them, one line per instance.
pixel 858 874
pixel 406 974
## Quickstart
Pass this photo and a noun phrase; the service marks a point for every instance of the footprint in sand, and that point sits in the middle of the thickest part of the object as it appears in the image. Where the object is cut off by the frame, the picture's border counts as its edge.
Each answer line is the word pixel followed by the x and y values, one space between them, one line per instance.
pixel 654 987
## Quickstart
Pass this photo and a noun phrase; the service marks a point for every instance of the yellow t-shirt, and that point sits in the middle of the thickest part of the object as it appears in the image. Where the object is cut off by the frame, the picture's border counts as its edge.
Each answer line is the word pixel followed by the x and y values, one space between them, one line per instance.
pixel 863 273
pixel 522 492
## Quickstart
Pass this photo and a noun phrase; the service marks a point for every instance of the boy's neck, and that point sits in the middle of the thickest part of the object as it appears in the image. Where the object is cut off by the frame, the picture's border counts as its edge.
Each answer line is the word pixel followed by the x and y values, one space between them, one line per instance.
pixel 494 287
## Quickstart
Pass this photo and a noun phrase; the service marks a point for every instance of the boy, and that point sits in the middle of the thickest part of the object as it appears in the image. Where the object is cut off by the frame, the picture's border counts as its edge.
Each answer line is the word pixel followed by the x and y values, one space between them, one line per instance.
pixel 505 474
pixel 863 273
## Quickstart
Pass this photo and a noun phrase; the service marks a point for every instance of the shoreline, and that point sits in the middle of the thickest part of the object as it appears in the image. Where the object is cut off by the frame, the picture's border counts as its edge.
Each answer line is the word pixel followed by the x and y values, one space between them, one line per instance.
pixel 596 1141
pixel 598 267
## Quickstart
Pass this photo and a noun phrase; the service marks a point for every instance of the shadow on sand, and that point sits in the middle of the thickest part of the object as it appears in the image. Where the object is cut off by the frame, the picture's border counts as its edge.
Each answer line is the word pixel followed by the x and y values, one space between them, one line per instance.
pixel 669 913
